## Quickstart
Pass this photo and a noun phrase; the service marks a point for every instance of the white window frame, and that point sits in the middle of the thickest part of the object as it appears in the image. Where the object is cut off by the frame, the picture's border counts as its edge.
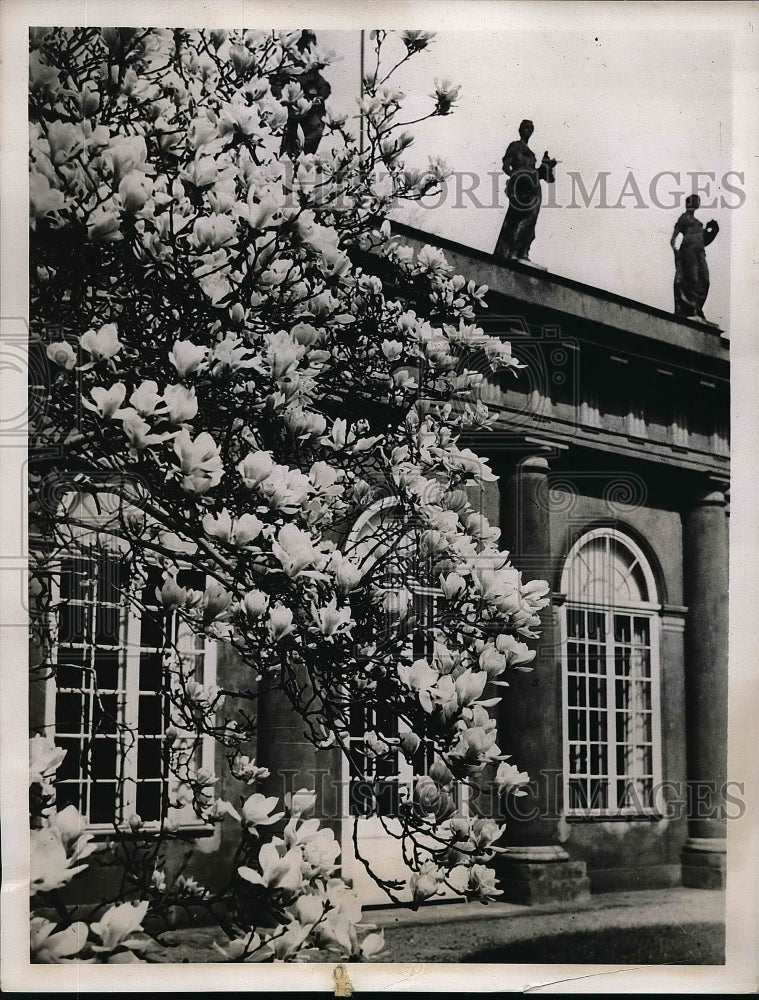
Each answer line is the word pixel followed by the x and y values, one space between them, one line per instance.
pixel 129 650
pixel 650 610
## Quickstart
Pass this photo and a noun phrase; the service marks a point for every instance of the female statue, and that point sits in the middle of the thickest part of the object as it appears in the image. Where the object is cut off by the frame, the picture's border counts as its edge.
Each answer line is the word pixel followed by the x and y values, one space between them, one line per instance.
pixel 691 270
pixel 525 196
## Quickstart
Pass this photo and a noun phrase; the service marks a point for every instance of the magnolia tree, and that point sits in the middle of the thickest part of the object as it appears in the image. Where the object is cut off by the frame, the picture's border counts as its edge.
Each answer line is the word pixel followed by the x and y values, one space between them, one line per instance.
pixel 250 379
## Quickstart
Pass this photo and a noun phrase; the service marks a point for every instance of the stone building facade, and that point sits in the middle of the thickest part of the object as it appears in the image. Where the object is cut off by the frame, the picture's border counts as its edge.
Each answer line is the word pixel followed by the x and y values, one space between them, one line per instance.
pixel 613 457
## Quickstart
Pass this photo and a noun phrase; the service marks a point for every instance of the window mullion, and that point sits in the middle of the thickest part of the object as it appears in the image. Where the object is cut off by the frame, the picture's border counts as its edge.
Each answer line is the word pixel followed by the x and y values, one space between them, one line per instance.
pixel 564 644
pixel 129 709
pixel 51 688
pixel 611 710
pixel 209 666
pixel 655 680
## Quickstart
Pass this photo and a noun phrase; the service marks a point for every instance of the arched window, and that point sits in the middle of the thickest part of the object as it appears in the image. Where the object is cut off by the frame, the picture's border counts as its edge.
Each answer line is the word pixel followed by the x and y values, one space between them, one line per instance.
pixel 610 646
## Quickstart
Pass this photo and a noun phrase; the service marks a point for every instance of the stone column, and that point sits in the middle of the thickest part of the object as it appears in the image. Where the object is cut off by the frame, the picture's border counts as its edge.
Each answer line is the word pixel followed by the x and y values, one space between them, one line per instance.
pixel 535 867
pixel 705 569
pixel 293 761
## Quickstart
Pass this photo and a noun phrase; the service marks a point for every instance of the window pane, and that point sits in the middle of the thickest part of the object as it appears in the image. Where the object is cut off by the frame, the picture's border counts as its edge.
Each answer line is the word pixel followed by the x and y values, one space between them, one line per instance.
pixel 575 623
pixel 597 758
pixel 578 759
pixel 597 692
pixel 107 669
pixel 150 718
pixel 361 798
pixel 643 760
pixel 596 660
pixel 102 801
pixel 72 623
pixel 597 725
pixel 645 727
pixel 104 715
pixel 74 579
pixel 151 671
pixel 622 691
pixel 596 625
pixel 71 712
pixel 107 625
pixel 643 695
pixel 577 726
pixel 152 630
pixel 578 795
pixel 577 691
pixel 623 727
pixel 111 578
pixel 624 760
pixel 622 631
pixel 103 758
pixel 149 800
pixel 70 767
pixel 641 633
pixel 622 662
pixel 149 758
pixel 645 791
pixel 574 657
pixel 599 797
pixel 70 671
pixel 626 798
pixel 68 795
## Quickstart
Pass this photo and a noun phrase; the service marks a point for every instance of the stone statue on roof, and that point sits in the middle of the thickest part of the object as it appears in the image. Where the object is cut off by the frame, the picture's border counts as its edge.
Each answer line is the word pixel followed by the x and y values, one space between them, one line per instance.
pixel 524 194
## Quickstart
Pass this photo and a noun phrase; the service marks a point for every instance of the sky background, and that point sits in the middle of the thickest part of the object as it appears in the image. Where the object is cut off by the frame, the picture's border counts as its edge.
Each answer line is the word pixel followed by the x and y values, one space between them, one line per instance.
pixel 637 101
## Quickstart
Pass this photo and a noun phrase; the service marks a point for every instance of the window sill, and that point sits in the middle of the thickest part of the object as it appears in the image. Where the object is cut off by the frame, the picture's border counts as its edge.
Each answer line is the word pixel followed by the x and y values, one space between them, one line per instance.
pixel 150 830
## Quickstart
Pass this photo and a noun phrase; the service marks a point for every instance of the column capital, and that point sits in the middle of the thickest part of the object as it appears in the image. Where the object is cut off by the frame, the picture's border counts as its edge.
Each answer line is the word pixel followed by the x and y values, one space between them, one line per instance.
pixel 537 453
pixel 535 462
pixel 711 492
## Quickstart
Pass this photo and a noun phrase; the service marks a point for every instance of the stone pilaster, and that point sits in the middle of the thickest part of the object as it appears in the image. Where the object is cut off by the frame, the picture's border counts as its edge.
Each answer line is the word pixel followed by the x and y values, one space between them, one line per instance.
pixel 294 762
pixel 705 568
pixel 535 868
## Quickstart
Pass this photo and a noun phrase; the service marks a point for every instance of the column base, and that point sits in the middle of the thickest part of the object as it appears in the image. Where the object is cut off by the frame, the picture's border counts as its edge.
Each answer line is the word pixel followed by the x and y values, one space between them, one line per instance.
pixel 703 862
pixel 535 875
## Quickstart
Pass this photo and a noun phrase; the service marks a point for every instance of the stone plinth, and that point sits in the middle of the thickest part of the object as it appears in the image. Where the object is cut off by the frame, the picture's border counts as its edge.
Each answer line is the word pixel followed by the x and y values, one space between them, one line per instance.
pixel 541 875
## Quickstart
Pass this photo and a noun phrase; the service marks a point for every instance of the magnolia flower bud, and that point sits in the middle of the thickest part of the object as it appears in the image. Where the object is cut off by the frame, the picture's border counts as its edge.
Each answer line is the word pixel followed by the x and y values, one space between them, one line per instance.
pixel 134 191
pixel 171 595
pixel 187 357
pixel 452 586
pixel 237 314
pixel 305 334
pixel 492 662
pixel 255 604
pixel 181 403
pixel 347 576
pixel 280 622
pixel 409 743
pixel 255 467
pixel 392 349
pixel 102 344
pixel 300 801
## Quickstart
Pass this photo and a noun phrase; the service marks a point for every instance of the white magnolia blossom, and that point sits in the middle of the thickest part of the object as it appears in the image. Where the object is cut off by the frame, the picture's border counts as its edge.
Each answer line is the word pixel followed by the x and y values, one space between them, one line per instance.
pixel 294 422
